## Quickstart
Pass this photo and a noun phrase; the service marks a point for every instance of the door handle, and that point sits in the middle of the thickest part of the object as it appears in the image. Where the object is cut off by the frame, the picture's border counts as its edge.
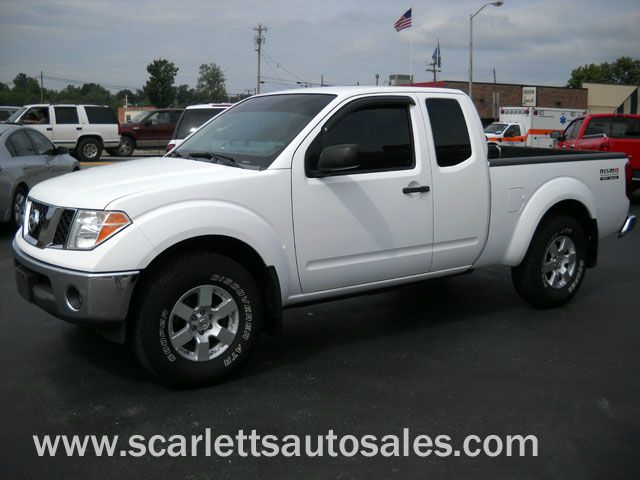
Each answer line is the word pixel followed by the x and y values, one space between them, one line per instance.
pixel 420 189
pixel 78 128
pixel 49 129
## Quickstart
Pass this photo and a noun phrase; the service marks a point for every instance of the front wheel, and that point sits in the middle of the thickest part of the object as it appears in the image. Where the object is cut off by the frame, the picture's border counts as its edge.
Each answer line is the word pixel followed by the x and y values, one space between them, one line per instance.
pixel 126 147
pixel 18 206
pixel 198 317
pixel 554 266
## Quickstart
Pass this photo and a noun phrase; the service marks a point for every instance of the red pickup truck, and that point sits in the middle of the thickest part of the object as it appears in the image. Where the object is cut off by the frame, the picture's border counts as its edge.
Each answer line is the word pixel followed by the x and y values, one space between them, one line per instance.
pixel 606 132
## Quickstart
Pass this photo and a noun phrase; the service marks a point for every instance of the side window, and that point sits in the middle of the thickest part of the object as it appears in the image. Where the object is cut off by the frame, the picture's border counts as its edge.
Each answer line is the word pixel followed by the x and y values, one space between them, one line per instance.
pixel 175 116
pixel 382 131
pixel 513 131
pixel 66 115
pixel 36 115
pixel 450 131
pixel 159 118
pixel 100 115
pixel 573 129
pixel 11 148
pixel 42 144
pixel 21 144
pixel 598 126
pixel 633 127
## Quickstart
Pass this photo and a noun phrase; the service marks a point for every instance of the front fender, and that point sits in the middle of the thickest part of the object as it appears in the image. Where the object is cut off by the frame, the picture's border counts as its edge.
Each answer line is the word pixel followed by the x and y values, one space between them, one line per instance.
pixel 176 222
pixel 543 199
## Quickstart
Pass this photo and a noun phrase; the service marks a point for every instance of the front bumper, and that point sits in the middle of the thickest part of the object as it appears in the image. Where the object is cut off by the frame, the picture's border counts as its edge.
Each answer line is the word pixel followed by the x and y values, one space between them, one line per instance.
pixel 628 225
pixel 78 297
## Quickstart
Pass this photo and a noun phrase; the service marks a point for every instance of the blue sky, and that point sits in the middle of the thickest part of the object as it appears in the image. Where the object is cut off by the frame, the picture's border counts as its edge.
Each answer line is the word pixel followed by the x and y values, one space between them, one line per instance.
pixel 347 41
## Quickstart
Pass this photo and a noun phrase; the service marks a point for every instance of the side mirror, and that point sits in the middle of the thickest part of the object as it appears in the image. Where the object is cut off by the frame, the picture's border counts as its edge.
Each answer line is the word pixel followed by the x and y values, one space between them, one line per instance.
pixel 555 135
pixel 60 151
pixel 339 158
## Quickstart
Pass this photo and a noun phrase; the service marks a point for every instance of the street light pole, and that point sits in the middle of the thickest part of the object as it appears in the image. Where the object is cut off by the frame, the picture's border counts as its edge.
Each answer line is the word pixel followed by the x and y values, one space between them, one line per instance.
pixel 471 17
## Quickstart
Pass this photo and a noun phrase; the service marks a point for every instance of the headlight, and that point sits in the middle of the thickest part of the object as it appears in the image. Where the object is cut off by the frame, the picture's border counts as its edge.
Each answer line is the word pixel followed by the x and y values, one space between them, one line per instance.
pixel 90 228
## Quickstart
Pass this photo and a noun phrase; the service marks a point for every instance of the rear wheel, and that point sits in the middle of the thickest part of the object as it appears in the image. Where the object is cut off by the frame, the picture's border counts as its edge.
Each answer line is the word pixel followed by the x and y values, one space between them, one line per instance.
pixel 554 266
pixel 126 147
pixel 89 150
pixel 18 206
pixel 197 318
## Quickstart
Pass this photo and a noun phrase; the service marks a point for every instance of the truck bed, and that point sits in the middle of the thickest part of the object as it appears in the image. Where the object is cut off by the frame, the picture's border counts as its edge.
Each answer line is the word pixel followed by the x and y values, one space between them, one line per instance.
pixel 509 155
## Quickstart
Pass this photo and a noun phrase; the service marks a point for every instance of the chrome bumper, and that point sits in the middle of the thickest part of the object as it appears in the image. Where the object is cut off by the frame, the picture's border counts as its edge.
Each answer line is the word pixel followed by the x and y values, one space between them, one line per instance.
pixel 628 225
pixel 77 297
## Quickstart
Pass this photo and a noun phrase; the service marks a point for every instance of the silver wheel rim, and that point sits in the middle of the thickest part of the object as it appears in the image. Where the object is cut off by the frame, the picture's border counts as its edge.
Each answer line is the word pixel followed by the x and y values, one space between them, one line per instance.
pixel 125 148
pixel 90 150
pixel 560 260
pixel 18 207
pixel 203 323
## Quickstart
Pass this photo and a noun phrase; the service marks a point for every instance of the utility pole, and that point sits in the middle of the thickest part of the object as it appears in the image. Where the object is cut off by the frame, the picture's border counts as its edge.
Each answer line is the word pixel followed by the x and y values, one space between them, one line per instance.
pixel 377 78
pixel 41 87
pixel 322 80
pixel 434 69
pixel 259 40
pixel 495 95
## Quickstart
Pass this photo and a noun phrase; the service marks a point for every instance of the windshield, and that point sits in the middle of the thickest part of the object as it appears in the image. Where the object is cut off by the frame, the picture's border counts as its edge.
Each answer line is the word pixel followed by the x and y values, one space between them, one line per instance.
pixel 495 128
pixel 255 131
pixel 139 117
pixel 192 118
pixel 16 115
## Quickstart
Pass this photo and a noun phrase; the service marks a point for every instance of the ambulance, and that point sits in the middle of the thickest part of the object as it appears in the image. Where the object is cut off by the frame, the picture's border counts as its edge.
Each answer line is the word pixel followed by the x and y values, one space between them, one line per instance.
pixel 530 126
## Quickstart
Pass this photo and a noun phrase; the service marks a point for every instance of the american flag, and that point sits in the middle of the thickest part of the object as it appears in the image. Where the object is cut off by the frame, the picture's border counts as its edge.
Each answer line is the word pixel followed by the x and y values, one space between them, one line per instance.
pixel 403 22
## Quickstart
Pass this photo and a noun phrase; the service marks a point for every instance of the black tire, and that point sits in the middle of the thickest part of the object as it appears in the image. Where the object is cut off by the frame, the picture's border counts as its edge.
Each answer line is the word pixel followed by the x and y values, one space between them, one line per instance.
pixel 532 279
pixel 17 207
pixel 113 151
pixel 126 147
pixel 89 150
pixel 154 323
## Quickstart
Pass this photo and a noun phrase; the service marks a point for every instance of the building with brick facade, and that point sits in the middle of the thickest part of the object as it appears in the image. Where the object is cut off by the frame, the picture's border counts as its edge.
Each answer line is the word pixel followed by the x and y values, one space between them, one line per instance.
pixel 489 97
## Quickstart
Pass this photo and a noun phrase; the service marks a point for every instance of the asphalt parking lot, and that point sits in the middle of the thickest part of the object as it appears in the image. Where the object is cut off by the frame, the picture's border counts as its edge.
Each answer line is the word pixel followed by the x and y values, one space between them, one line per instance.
pixel 455 356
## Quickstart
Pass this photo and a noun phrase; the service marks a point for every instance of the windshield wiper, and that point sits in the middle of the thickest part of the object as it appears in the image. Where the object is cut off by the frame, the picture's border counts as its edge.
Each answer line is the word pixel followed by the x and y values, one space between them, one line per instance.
pixel 215 157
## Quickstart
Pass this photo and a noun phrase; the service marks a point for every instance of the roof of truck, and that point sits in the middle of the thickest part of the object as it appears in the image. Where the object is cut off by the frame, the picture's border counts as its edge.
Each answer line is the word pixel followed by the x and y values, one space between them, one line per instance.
pixel 362 90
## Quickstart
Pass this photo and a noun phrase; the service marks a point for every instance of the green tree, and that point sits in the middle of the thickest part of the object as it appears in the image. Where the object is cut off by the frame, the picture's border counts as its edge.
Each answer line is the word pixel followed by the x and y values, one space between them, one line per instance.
pixel 211 83
pixel 185 95
pixel 159 88
pixel 624 71
pixel 25 90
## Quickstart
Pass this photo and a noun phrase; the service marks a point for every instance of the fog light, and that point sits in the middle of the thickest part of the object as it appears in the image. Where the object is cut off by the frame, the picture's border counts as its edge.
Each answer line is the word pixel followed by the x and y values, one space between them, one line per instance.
pixel 74 299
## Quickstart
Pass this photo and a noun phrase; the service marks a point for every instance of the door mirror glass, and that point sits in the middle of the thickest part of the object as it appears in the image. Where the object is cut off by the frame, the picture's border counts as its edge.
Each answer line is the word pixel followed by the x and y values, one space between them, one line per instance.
pixel 338 158
pixel 555 135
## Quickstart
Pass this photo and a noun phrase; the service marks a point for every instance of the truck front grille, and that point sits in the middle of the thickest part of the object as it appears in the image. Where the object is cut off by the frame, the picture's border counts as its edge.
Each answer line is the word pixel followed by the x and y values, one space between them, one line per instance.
pixel 63 228
pixel 48 226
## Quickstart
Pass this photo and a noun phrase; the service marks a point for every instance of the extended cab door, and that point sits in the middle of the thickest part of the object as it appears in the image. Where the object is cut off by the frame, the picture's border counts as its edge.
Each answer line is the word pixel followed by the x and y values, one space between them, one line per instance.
pixel 369 223
pixel 461 189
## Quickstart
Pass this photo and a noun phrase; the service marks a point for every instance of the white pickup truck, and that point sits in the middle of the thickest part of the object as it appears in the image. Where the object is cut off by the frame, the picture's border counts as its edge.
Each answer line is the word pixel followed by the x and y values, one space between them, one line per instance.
pixel 304 196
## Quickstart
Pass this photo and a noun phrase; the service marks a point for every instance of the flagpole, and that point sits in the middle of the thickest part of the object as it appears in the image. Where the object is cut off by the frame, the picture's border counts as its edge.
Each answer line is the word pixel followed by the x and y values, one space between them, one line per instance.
pixel 411 47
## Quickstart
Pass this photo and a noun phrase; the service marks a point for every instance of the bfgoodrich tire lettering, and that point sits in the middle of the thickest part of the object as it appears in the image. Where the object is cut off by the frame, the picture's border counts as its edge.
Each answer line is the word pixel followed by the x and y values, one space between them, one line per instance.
pixel 196 318
pixel 554 266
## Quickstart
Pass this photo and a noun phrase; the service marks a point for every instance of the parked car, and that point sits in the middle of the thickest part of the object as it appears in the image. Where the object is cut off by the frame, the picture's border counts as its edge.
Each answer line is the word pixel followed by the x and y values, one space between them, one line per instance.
pixel 150 129
pixel 84 129
pixel 26 158
pixel 298 197
pixel 193 117
pixel 6 112
pixel 606 132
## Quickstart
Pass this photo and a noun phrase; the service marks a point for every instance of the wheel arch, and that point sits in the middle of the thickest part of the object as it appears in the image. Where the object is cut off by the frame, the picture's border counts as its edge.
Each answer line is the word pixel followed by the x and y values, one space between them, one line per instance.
pixel 566 196
pixel 265 275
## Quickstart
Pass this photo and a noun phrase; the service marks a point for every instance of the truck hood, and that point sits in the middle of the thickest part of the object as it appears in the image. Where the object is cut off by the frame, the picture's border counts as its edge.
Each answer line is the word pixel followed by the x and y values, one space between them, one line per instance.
pixel 95 188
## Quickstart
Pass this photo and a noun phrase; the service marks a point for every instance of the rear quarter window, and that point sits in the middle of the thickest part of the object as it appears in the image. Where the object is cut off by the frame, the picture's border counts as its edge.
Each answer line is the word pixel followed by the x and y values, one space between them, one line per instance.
pixel 450 131
pixel 101 115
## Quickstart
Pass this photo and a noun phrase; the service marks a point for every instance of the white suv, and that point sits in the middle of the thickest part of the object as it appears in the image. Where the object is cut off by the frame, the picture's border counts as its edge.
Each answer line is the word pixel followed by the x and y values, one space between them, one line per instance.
pixel 83 129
